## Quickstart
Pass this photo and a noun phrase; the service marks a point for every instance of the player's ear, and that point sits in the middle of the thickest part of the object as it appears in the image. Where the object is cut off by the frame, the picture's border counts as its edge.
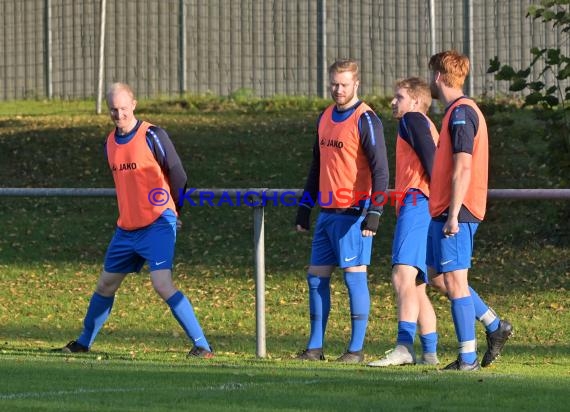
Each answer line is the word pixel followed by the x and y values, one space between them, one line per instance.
pixel 417 103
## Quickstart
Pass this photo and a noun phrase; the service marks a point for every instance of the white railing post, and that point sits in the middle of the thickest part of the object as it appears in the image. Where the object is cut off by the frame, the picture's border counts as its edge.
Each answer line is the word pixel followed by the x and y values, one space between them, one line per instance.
pixel 101 71
pixel 259 259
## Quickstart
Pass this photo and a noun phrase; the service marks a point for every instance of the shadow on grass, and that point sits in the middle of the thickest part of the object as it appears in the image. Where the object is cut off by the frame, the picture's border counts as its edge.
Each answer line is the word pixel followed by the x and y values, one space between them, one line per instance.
pixel 138 342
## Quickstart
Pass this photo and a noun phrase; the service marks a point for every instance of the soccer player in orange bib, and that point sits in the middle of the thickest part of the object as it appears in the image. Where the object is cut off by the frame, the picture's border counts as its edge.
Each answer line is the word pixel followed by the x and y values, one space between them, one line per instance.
pixel 149 178
pixel 457 205
pixel 415 149
pixel 348 179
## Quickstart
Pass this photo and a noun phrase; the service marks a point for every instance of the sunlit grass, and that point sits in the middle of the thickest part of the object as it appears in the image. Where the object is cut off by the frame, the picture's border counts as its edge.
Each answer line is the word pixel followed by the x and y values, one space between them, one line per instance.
pixel 51 252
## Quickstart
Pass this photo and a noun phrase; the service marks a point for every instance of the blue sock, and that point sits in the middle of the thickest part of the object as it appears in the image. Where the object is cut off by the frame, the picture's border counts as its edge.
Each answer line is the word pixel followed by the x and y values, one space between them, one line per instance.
pixel 463 313
pixel 97 313
pixel 184 313
pixel 406 333
pixel 357 284
pixel 319 308
pixel 483 313
pixel 429 342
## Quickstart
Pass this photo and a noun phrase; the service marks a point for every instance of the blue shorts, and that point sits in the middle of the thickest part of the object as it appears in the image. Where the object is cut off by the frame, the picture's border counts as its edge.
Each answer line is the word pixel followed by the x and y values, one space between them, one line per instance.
pixel 410 236
pixel 129 249
pixel 446 254
pixel 338 241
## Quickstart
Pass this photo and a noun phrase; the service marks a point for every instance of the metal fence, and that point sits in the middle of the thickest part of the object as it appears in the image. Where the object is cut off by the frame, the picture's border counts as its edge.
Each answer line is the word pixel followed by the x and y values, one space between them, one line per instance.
pixel 50 48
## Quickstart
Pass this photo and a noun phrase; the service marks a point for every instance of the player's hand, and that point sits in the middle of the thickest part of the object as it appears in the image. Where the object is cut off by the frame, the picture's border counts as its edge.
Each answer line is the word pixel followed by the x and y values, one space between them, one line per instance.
pixel 370 224
pixel 303 219
pixel 451 227
pixel 178 225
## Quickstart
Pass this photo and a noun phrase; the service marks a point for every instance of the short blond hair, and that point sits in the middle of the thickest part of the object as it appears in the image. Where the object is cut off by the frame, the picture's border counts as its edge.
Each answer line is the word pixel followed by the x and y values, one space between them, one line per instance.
pixel 417 89
pixel 453 67
pixel 345 65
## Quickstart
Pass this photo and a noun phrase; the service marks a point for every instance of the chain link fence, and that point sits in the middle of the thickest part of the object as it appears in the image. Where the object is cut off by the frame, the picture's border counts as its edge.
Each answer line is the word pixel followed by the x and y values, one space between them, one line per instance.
pixel 50 48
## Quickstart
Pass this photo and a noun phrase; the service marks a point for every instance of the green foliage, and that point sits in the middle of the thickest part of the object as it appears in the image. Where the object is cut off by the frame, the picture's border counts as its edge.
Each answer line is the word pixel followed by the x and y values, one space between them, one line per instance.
pixel 555 62
pixel 539 93
pixel 45 107
pixel 240 101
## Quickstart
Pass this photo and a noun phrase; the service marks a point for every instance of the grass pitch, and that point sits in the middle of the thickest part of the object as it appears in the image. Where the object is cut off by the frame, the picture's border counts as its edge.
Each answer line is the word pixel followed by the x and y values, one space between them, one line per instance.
pixel 97 382
pixel 51 250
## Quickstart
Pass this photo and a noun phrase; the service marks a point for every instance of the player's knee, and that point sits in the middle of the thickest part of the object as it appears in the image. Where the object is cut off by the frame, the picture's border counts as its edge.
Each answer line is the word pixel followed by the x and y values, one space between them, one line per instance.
pixel 321 271
pixel 438 283
pixel 399 282
pixel 108 284
pixel 404 278
pixel 164 288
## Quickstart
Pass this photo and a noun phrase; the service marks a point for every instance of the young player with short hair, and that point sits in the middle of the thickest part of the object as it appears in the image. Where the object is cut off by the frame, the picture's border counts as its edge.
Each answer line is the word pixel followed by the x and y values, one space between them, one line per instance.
pixel 349 154
pixel 415 148
pixel 457 204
